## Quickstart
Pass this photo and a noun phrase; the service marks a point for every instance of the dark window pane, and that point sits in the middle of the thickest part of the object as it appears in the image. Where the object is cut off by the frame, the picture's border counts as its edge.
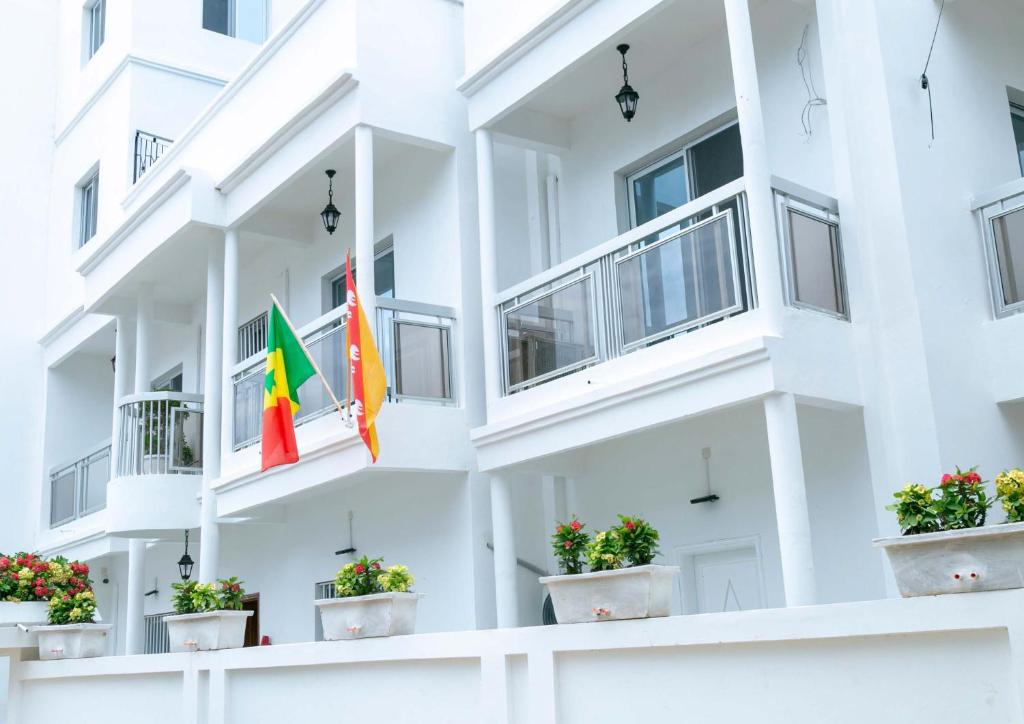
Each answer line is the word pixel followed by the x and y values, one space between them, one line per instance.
pixel 659 191
pixel 814 256
pixel 1018 135
pixel 383 280
pixel 1009 233
pixel 717 160
pixel 216 16
pixel 421 361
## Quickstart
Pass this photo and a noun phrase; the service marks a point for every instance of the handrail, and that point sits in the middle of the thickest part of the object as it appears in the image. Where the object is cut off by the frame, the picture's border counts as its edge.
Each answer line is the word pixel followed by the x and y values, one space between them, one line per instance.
pixel 99 447
pixel 160 396
pixel 690 208
pixel 998 194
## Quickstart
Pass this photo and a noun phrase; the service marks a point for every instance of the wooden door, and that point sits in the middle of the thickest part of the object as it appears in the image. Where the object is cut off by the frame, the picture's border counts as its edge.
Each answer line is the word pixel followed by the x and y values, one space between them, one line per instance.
pixel 251 602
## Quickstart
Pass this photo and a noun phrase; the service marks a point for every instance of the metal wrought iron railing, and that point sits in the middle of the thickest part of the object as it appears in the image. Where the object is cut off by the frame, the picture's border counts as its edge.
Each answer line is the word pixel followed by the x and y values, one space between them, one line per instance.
pixel 160 433
pixel 157 640
pixel 252 337
pixel 415 343
pixel 684 270
pixel 80 488
pixel 148 148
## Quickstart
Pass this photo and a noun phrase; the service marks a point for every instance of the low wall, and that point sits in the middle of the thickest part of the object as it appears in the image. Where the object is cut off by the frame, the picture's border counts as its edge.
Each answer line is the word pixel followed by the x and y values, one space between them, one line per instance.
pixel 942 659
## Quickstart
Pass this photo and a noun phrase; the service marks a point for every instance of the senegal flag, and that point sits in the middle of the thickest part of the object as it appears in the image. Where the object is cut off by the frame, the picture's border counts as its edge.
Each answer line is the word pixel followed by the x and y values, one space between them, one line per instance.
pixel 287 368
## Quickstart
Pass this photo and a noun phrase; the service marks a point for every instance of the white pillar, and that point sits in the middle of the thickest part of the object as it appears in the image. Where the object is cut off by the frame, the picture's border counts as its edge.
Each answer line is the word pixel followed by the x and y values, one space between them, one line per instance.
pixel 135 610
pixel 364 222
pixel 488 262
pixel 764 239
pixel 503 525
pixel 213 375
pixel 121 362
pixel 791 515
pixel 143 331
pixel 230 336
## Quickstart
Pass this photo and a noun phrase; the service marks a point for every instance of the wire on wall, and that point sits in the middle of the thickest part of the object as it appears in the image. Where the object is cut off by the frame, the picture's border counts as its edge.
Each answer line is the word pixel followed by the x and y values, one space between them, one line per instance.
pixel 925 83
pixel 813 98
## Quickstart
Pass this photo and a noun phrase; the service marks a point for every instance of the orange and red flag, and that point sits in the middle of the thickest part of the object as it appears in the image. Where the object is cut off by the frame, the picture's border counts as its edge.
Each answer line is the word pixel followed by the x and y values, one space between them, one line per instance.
pixel 369 384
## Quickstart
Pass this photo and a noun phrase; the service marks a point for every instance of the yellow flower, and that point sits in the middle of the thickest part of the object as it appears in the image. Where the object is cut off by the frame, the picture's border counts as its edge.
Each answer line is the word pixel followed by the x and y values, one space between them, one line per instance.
pixel 25 574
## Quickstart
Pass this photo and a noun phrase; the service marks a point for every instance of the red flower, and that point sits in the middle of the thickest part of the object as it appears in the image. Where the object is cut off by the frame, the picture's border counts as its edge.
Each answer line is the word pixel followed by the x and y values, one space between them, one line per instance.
pixel 14 575
pixel 575 525
pixel 40 582
pixel 946 479
pixel 630 525
pixel 560 529
pixel 973 478
pixel 360 568
pixel 40 591
pixel 67 597
pixel 568 544
pixel 5 563
pixel 376 566
pixel 234 588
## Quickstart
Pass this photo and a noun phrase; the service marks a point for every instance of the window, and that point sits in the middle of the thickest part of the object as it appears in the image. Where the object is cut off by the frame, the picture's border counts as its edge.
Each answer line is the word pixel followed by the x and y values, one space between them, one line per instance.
pixel 88 193
pixel 245 19
pixel 1008 235
pixel 383 277
pixel 813 255
pixel 95 19
pixel 689 173
pixel 1017 118
pixel 170 381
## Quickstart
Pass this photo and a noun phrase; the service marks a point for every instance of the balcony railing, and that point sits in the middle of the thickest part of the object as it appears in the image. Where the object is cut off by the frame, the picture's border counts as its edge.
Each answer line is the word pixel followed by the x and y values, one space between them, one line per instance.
pixel 80 488
pixel 160 433
pixel 684 270
pixel 415 344
pixel 148 148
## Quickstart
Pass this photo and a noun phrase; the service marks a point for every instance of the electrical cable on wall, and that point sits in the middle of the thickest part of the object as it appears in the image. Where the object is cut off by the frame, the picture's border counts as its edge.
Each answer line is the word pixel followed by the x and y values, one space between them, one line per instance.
pixel 925 83
pixel 813 98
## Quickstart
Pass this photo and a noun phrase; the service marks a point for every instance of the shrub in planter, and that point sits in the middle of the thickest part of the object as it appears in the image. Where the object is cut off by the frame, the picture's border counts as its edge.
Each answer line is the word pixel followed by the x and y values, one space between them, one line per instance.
pixel 962 502
pixel 1010 489
pixel 207 615
pixel 30 582
pixel 622 582
pixel 371 600
pixel 72 632
pixel 914 510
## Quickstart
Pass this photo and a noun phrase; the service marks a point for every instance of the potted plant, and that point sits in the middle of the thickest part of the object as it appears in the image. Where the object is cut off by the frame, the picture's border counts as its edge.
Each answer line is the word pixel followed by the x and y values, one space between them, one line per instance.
pixel 207 616
pixel 623 581
pixel 945 546
pixel 72 632
pixel 26 585
pixel 370 600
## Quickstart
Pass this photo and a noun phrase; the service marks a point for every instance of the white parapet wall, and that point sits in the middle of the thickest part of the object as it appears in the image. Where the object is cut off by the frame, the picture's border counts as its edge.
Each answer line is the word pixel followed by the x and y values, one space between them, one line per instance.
pixel 946 659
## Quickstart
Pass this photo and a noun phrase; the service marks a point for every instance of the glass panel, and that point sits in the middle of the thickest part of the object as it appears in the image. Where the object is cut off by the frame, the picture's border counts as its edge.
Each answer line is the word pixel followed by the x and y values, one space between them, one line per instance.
pixel 383 280
pixel 1009 233
pixel 550 333
pixel 814 260
pixel 717 160
pixel 62 496
pixel 97 474
pixel 421 361
pixel 677 281
pixel 215 16
pixel 329 353
pixel 1017 117
pixel 249 407
pixel 250 20
pixel 187 452
pixel 97 16
pixel 659 191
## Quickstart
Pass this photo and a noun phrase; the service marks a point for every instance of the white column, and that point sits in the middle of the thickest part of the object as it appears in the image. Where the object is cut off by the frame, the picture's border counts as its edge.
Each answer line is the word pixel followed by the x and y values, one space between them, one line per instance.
pixel 230 337
pixel 764 240
pixel 791 515
pixel 364 222
pixel 143 330
pixel 503 525
pixel 488 262
pixel 213 375
pixel 135 610
pixel 121 362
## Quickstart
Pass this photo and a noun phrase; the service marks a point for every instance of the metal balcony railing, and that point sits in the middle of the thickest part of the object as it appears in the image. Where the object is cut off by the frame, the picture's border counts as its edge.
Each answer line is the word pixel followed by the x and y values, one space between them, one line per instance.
pixel 80 488
pixel 684 270
pixel 148 148
pixel 414 340
pixel 160 433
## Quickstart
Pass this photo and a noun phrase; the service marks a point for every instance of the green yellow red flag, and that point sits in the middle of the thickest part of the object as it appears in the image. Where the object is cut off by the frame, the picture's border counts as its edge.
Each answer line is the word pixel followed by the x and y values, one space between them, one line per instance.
pixel 288 366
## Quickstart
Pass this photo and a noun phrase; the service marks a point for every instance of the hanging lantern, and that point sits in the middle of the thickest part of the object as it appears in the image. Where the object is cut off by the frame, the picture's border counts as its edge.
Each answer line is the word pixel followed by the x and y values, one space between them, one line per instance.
pixel 626 97
pixel 185 563
pixel 330 214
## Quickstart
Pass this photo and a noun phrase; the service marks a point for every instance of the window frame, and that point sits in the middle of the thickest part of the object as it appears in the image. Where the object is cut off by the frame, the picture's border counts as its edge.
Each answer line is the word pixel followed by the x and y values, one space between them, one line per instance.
pixel 232 29
pixel 380 250
pixel 1017 110
pixel 823 210
pixel 87 207
pixel 680 150
pixel 94 33
pixel 989 215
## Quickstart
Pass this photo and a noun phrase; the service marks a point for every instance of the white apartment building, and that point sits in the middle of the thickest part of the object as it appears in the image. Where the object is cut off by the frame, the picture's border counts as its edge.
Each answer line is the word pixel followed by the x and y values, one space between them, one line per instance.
pixel 784 288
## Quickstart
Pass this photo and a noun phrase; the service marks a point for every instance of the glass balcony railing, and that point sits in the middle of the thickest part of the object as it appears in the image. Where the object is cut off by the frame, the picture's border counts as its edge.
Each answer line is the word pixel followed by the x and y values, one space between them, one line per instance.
pixel 80 488
pixel 684 270
pixel 415 346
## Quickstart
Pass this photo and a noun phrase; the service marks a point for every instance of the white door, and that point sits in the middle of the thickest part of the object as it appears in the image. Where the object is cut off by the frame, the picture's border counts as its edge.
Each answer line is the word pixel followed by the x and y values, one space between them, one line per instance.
pixel 728 580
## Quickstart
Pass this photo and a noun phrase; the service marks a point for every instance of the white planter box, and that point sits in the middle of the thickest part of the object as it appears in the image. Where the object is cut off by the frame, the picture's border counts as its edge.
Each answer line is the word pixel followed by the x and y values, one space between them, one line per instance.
pixel 990 558
pixel 358 617
pixel 72 641
pixel 28 613
pixel 207 631
pixel 639 592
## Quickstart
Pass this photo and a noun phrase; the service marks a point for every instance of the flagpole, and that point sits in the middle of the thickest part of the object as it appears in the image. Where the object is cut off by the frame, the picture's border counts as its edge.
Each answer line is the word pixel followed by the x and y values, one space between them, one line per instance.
pixel 316 367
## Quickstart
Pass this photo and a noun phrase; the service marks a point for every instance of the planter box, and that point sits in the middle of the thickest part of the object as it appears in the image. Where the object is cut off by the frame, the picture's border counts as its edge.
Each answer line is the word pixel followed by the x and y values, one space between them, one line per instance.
pixel 72 641
pixel 207 631
pixel 990 558
pixel 28 613
pixel 639 592
pixel 358 617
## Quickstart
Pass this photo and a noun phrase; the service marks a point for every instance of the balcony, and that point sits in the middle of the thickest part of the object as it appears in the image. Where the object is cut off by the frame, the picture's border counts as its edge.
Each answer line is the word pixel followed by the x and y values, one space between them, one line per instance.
pixel 148 149
pixel 415 344
pixel 80 488
pixel 159 450
pixel 683 271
